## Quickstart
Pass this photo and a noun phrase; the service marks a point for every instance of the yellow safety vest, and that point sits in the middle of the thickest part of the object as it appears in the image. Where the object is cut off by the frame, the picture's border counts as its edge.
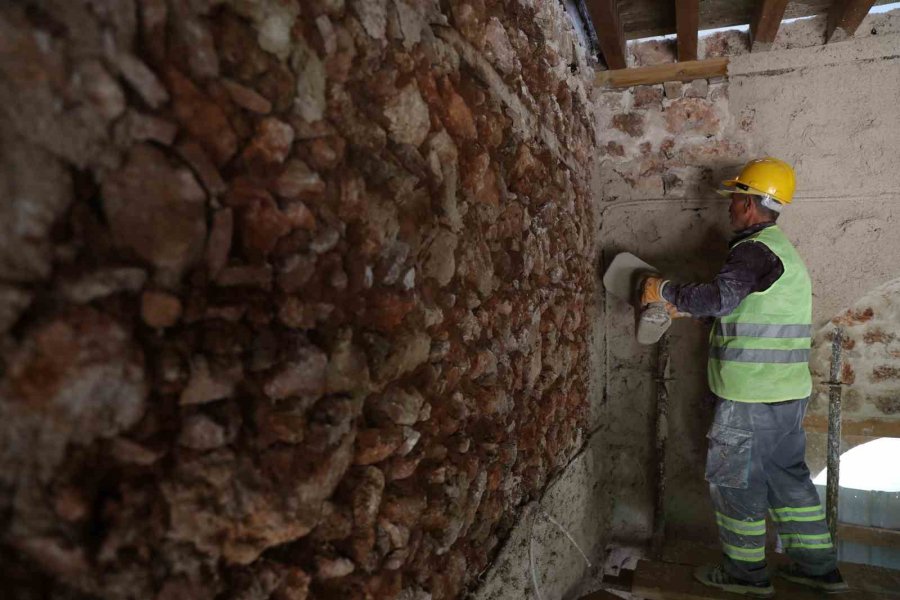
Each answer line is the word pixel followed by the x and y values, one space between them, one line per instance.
pixel 760 352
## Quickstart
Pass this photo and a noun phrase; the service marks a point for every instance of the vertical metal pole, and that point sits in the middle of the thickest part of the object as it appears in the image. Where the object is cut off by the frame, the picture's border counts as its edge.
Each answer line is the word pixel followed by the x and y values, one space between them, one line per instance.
pixel 834 434
pixel 662 432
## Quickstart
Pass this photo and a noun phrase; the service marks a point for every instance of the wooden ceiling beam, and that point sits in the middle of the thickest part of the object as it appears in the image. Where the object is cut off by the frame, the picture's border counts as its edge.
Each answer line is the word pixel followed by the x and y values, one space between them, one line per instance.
pixel 844 17
pixel 766 21
pixel 678 71
pixel 687 23
pixel 608 26
pixel 645 18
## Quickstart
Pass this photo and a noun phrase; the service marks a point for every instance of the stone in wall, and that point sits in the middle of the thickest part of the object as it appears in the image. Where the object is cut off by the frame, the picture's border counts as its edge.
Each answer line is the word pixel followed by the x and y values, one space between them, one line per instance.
pixel 294 296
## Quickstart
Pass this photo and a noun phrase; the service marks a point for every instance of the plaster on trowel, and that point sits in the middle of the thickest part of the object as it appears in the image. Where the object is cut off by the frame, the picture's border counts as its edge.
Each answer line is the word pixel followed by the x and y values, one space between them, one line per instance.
pixel 623 279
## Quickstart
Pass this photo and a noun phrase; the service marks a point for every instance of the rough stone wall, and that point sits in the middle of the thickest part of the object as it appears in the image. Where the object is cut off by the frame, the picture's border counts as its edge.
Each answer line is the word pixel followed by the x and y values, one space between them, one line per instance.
pixel 669 140
pixel 294 297
pixel 870 357
pixel 831 111
pixel 871 353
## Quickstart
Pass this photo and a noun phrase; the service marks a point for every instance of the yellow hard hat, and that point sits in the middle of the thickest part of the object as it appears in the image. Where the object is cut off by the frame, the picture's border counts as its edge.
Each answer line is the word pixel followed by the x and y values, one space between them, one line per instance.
pixel 768 177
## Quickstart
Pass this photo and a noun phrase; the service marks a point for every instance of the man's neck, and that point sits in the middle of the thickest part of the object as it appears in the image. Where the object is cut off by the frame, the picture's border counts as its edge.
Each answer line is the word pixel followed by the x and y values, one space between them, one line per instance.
pixel 750 230
pixel 760 221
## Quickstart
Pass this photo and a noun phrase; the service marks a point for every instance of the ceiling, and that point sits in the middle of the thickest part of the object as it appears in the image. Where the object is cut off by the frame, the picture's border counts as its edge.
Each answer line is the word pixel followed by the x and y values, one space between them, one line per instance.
pixel 646 18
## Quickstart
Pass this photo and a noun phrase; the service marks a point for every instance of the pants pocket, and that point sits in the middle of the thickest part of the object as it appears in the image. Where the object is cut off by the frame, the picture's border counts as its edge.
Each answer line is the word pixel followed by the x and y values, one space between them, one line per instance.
pixel 729 456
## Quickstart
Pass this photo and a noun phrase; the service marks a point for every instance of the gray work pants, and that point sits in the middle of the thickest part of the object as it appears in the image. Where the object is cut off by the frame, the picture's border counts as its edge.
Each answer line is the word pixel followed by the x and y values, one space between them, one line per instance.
pixel 756 463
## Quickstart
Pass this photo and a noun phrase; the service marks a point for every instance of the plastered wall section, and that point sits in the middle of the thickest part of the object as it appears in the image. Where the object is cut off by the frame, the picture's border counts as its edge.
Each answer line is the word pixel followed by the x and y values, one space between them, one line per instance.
pixel 829 110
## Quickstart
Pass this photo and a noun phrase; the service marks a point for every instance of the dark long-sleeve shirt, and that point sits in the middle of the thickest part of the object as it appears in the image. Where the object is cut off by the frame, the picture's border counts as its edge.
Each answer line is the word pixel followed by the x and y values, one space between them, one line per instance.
pixel 750 267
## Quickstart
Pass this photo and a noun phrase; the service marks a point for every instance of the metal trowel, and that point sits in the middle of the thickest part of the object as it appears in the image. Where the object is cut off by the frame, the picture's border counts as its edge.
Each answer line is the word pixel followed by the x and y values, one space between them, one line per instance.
pixel 623 279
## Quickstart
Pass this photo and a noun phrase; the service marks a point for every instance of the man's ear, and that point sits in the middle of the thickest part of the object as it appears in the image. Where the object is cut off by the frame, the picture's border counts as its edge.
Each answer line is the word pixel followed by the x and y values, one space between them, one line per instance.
pixel 748 203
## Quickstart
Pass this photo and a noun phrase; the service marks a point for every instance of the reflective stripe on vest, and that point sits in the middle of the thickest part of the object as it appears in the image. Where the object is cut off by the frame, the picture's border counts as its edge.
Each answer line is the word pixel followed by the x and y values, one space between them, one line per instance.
pixel 755 355
pixel 763 330
pixel 760 352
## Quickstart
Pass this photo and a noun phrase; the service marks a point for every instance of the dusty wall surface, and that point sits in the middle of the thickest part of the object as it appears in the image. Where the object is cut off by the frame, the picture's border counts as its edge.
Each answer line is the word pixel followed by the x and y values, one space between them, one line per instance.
pixel 539 553
pixel 295 297
pixel 831 111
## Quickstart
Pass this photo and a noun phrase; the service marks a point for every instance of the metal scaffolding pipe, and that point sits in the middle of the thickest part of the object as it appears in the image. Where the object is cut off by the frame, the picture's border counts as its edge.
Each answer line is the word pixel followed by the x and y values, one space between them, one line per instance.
pixel 834 434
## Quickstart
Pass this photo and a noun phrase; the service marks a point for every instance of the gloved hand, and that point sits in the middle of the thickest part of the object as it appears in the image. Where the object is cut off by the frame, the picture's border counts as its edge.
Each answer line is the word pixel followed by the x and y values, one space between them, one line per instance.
pixel 651 290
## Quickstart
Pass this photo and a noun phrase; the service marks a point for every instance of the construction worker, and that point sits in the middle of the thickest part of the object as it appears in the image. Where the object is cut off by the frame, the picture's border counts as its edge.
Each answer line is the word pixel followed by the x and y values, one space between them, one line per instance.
pixel 758 372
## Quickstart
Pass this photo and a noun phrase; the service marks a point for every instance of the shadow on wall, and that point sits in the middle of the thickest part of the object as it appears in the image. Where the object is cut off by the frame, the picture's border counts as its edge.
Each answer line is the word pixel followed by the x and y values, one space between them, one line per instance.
pixel 687 241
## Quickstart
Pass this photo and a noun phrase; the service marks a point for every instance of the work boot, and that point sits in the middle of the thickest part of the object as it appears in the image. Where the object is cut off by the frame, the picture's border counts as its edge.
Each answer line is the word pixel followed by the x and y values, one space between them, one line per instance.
pixel 715 576
pixel 830 582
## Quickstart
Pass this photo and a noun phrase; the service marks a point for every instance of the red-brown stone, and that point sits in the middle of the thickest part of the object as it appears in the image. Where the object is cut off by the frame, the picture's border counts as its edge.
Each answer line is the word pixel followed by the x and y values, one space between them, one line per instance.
pixel 646 96
pixel 630 123
pixel 160 309
pixel 458 117
pixel 692 115
pixel 270 144
pixel 375 445
pixel 262 224
pixel 200 116
pixel 885 373
pixel 157 210
pixel 614 149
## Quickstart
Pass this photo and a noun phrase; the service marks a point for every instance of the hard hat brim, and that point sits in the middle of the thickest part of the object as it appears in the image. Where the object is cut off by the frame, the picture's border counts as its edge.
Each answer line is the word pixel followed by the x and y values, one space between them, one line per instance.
pixel 732 183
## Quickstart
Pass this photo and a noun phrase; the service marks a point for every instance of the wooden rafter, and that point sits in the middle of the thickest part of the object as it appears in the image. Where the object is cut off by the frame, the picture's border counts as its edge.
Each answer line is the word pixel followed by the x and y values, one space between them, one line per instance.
pixel 765 23
pixel 844 17
pixel 687 18
pixel 679 71
pixel 645 18
pixel 605 18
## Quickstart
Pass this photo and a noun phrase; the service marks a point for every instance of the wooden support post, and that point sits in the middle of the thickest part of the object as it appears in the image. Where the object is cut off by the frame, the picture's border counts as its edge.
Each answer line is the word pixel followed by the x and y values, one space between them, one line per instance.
pixel 844 17
pixel 687 21
pixel 610 34
pixel 766 21
pixel 679 71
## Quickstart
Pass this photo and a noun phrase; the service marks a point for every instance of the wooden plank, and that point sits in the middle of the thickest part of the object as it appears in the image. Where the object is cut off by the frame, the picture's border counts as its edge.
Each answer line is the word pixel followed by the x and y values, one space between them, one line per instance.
pixel 844 17
pixel 870 536
pixel 694 554
pixel 608 26
pixel 666 581
pixel 622 582
pixel 601 595
pixel 646 18
pixel 863 577
pixel 687 19
pixel 682 71
pixel 765 24
pixel 871 427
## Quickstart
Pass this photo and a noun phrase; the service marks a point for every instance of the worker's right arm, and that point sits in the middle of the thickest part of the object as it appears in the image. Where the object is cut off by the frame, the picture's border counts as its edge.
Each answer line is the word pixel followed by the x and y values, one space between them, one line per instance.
pixel 750 267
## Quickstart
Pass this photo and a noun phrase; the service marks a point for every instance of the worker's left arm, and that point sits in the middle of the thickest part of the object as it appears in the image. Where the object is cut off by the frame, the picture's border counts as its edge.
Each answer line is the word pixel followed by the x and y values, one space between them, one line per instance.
pixel 750 267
